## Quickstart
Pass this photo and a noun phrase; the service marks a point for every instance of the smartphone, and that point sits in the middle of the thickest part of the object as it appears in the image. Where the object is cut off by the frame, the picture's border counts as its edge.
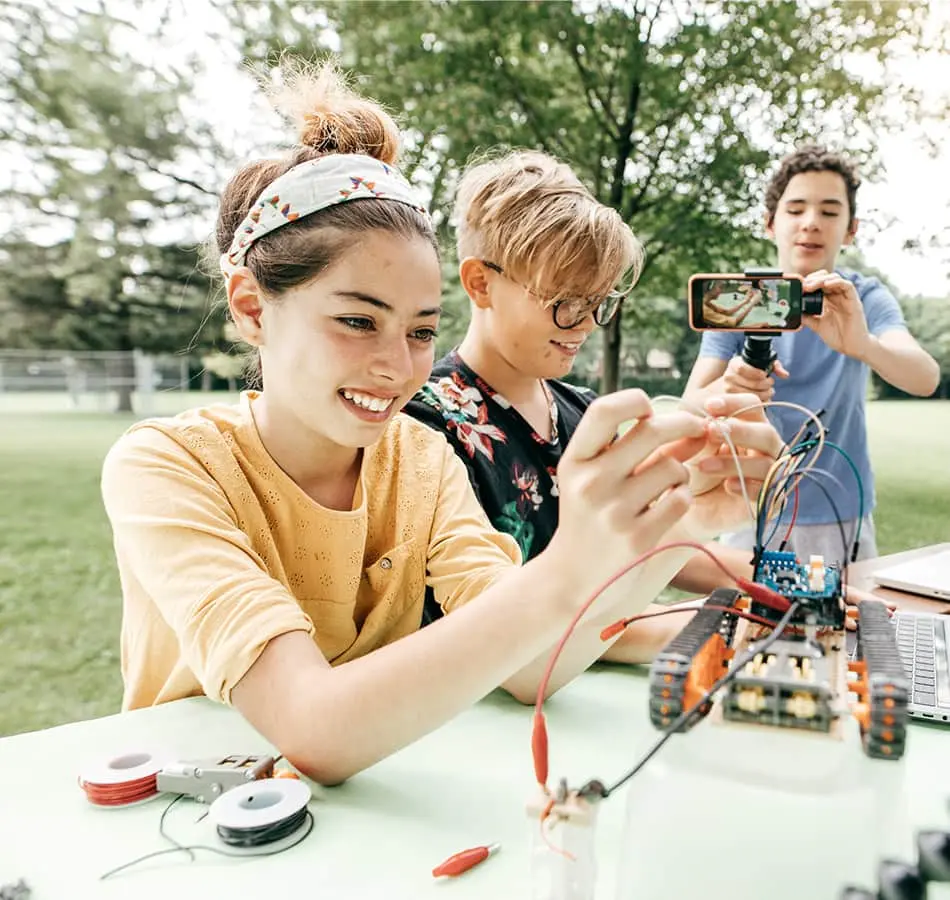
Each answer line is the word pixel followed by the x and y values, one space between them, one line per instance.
pixel 745 303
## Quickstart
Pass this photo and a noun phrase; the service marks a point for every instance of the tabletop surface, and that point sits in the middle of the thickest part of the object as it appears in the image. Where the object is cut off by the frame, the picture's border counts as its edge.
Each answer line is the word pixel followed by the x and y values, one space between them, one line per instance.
pixel 380 834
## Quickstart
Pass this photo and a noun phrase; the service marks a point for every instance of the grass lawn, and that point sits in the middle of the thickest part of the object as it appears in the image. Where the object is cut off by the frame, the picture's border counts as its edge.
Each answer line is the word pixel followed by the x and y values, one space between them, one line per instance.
pixel 59 594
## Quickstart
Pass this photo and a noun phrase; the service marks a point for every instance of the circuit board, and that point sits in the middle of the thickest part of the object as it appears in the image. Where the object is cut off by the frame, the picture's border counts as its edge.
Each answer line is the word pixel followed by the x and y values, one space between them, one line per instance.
pixel 814 585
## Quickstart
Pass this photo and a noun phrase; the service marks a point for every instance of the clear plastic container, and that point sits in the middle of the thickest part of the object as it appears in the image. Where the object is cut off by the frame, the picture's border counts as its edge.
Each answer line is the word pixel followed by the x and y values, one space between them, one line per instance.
pixel 742 812
pixel 563 858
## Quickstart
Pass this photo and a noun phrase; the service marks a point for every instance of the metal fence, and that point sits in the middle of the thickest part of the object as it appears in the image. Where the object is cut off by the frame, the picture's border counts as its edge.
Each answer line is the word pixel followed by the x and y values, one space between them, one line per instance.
pixel 39 380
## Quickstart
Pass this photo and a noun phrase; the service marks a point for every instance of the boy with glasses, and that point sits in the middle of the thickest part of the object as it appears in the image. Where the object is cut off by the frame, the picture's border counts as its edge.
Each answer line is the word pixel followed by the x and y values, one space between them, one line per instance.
pixel 543 263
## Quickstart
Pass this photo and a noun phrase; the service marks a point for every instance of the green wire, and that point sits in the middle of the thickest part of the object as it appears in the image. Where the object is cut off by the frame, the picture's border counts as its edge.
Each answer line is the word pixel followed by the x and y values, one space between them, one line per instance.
pixel 814 443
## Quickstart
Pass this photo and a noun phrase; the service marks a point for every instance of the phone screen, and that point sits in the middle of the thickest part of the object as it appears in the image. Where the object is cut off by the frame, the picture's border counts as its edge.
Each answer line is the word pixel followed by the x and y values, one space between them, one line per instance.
pixel 743 303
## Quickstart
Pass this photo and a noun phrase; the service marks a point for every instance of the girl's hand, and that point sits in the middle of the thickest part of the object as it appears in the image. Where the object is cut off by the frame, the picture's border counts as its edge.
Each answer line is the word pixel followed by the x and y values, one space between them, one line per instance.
pixel 619 496
pixel 719 504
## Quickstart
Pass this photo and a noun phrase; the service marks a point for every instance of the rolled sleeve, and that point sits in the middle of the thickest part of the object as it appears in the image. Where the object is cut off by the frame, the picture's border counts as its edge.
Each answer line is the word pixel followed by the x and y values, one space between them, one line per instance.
pixel 722 345
pixel 881 309
pixel 466 554
pixel 181 550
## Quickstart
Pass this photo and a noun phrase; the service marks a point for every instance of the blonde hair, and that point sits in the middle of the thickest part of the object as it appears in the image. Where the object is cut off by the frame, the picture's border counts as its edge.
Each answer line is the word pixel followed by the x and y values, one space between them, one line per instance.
pixel 531 215
pixel 329 118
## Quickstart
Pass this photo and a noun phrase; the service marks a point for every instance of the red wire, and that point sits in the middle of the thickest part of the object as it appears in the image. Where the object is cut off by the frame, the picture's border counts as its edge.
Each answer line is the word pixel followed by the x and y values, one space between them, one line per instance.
pixel 622 624
pixel 120 794
pixel 539 734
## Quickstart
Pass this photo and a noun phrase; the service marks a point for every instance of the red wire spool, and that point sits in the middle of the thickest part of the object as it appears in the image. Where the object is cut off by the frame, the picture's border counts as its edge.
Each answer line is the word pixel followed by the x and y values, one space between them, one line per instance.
pixel 123 780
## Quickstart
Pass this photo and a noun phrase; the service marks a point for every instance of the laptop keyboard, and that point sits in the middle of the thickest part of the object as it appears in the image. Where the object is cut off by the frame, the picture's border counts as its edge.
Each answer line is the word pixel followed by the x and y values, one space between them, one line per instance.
pixel 922 642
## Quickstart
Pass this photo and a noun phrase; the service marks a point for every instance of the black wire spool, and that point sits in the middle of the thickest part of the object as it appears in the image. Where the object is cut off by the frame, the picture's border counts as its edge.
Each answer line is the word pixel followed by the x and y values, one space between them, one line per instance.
pixel 263 834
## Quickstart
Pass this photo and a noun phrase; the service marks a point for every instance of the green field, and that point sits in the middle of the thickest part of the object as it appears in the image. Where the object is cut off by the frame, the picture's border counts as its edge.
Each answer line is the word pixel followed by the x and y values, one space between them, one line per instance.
pixel 59 596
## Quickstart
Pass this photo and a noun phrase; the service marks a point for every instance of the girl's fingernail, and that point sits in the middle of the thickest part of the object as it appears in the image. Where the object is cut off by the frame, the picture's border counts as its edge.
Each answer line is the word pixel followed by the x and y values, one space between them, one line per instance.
pixel 711 465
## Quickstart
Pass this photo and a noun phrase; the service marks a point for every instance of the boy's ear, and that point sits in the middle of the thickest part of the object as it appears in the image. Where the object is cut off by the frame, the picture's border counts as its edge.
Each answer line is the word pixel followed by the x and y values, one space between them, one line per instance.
pixel 474 275
pixel 852 231
pixel 769 230
pixel 246 305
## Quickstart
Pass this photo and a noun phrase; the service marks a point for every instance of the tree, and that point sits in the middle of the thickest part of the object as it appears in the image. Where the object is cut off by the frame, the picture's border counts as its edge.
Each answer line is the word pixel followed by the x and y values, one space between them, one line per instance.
pixel 102 139
pixel 670 112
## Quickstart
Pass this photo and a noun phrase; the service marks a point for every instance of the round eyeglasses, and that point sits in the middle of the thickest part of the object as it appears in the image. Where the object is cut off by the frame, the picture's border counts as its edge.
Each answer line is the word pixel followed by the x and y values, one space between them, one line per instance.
pixel 569 312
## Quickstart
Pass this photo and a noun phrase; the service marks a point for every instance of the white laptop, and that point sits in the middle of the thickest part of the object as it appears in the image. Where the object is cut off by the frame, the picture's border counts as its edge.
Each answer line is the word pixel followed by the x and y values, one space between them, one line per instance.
pixel 929 576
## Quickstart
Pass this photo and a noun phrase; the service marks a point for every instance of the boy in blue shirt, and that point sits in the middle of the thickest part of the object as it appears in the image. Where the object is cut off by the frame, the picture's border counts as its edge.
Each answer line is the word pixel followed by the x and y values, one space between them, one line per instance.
pixel 811 215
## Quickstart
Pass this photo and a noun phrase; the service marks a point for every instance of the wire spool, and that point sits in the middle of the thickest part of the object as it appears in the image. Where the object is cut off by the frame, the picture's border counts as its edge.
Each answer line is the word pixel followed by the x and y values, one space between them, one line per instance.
pixel 122 781
pixel 261 812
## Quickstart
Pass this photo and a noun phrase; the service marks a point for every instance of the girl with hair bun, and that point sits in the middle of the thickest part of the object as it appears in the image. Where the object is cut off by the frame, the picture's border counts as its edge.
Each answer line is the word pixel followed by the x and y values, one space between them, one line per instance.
pixel 274 554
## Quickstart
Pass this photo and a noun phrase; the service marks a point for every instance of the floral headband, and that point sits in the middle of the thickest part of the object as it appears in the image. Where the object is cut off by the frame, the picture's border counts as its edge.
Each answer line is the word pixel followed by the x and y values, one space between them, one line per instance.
pixel 314 185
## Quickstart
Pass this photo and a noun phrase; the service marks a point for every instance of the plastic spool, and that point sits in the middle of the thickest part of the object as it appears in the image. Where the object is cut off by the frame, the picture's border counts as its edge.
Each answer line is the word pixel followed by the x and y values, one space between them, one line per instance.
pixel 260 812
pixel 123 780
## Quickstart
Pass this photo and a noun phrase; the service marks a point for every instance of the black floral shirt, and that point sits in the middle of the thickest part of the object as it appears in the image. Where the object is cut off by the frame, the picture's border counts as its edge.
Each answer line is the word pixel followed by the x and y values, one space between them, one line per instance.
pixel 511 467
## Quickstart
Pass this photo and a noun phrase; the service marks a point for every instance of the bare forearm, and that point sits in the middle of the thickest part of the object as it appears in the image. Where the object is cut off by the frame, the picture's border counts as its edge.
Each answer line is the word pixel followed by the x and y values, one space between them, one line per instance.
pixel 910 369
pixel 696 395
pixel 332 723
pixel 701 575
pixel 630 596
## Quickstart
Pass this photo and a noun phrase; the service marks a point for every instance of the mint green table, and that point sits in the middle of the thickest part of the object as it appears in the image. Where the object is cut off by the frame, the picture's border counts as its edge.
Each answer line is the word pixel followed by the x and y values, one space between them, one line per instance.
pixel 379 835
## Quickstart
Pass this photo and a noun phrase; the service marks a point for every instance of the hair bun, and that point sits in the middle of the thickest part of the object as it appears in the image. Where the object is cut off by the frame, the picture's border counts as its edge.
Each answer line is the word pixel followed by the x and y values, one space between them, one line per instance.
pixel 331 117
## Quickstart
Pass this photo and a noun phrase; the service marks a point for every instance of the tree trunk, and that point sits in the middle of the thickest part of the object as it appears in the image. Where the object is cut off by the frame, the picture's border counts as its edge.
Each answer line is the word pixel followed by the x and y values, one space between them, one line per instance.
pixel 613 334
pixel 126 386
pixel 126 368
pixel 610 374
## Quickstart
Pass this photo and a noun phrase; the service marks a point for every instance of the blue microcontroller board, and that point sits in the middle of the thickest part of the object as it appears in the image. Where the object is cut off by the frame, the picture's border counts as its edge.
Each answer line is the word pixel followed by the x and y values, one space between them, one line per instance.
pixel 816 586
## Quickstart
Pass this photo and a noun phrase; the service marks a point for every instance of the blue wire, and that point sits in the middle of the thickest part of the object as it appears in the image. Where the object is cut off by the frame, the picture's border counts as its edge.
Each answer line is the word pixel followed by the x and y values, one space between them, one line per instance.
pixel 814 443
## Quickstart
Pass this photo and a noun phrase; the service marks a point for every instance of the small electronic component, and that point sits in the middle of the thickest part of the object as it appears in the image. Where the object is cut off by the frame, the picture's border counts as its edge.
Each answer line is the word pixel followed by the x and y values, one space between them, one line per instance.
pixel 816 587
pixel 816 575
pixel 459 863
pixel 206 780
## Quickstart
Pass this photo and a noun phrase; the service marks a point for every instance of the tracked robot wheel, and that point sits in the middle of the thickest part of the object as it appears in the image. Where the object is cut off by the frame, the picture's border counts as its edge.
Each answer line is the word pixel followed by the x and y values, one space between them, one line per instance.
pixel 692 662
pixel 882 686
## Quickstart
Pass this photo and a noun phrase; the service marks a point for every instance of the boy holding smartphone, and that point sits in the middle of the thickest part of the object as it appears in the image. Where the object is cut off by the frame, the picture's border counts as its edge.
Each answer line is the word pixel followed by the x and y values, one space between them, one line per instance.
pixel 811 215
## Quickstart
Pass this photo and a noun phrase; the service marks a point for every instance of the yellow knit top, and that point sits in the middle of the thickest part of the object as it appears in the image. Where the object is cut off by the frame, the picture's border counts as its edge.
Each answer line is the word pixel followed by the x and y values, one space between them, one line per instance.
pixel 219 551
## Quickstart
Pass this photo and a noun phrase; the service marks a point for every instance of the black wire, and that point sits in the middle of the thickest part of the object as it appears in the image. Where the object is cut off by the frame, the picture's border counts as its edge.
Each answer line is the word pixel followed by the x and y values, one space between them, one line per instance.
pixel 804 445
pixel 165 834
pixel 264 834
pixel 813 474
pixel 759 546
pixel 299 818
pixel 596 788
pixel 787 448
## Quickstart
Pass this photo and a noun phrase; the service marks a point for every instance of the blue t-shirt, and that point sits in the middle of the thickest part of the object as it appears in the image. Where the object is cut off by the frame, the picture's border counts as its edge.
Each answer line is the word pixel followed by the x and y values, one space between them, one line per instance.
pixel 821 378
